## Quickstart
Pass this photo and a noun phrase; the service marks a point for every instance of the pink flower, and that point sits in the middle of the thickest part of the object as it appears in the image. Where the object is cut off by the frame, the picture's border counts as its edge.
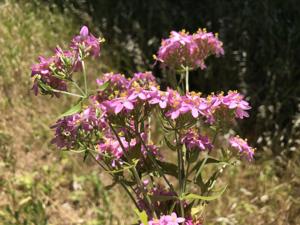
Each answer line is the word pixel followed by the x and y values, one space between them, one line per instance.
pixel 66 131
pixel 167 220
pixel 87 42
pixel 44 79
pixel 117 105
pixel 195 104
pixel 175 107
pixel 145 80
pixel 242 146
pixel 68 60
pixel 52 73
pixel 182 49
pixel 234 100
pixel 159 97
pixel 193 140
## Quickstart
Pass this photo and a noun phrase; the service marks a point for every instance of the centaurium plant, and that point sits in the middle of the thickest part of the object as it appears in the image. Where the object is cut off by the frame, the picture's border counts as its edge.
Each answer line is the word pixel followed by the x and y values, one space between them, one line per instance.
pixel 114 126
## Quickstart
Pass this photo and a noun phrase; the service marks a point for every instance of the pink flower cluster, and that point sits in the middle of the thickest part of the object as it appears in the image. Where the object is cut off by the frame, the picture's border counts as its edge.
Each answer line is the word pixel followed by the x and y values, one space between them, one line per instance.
pixel 92 128
pixel 172 219
pixel 126 99
pixel 54 72
pixel 194 140
pixel 183 49
pixel 124 96
pixel 242 146
pixel 70 129
pixel 156 191
pixel 86 42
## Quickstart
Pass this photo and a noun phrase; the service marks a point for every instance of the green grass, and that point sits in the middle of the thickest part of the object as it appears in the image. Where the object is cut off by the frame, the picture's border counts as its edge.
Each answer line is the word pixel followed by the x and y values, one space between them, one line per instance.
pixel 40 185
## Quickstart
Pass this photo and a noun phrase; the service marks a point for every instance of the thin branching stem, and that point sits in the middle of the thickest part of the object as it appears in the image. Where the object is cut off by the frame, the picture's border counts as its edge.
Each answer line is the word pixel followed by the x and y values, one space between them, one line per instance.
pixel 119 181
pixel 153 160
pixel 180 170
pixel 68 93
pixel 84 77
pixel 135 174
pixel 77 86
pixel 186 79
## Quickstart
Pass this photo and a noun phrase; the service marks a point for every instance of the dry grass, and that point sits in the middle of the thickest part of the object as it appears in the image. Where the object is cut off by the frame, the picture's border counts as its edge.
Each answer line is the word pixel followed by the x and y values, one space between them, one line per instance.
pixel 39 185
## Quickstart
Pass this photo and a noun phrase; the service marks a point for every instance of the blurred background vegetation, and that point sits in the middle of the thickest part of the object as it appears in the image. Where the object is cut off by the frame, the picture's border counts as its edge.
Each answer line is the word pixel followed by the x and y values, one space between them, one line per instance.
pixel 39 185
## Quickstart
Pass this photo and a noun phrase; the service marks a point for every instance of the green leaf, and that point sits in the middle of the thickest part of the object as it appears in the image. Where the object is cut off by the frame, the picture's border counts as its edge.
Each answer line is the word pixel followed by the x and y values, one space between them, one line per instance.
pixel 200 197
pixel 169 168
pixel 199 181
pixel 172 147
pixel 44 87
pixel 74 109
pixel 86 154
pixel 196 210
pixel 103 86
pixel 142 216
pixel 162 198
pixel 130 166
pixel 199 165
pixel 212 179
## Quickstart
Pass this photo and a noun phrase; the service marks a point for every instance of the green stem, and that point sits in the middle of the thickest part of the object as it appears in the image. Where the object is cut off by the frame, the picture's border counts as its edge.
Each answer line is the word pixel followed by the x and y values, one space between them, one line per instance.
pixel 76 85
pixel 68 93
pixel 186 175
pixel 135 173
pixel 204 161
pixel 180 171
pixel 129 194
pixel 120 182
pixel 84 76
pixel 149 129
pixel 186 79
pixel 153 160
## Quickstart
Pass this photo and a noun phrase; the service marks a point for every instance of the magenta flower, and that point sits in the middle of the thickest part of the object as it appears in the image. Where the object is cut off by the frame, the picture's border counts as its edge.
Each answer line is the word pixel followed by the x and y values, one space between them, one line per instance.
pixel 193 140
pixel 117 85
pixel 117 81
pixel 66 131
pixel 52 73
pixel 175 107
pixel 196 105
pixel 145 80
pixel 159 97
pixel 118 105
pixel 167 220
pixel 112 147
pixel 67 61
pixel 182 49
pixel 69 129
pixel 44 79
pixel 87 42
pixel 242 146
pixel 234 100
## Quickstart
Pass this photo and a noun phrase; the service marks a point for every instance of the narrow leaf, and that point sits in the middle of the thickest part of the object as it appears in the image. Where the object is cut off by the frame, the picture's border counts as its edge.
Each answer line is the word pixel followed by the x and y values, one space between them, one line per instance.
pixel 103 86
pixel 205 198
pixel 199 165
pixel 162 198
pixel 172 147
pixel 74 109
pixel 169 168
pixel 142 216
